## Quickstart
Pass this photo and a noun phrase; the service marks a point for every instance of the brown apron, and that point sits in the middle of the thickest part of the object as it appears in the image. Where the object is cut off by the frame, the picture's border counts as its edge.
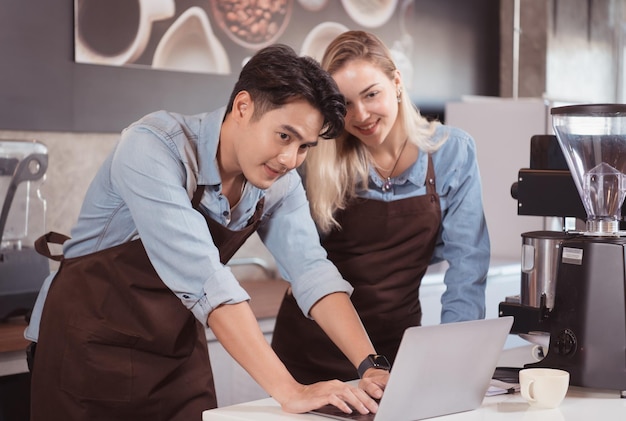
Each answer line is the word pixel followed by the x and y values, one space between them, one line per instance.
pixel 383 250
pixel 116 344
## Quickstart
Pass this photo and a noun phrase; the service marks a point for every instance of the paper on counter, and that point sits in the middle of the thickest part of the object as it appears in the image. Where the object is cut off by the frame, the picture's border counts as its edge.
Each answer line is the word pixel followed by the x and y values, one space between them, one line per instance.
pixel 498 387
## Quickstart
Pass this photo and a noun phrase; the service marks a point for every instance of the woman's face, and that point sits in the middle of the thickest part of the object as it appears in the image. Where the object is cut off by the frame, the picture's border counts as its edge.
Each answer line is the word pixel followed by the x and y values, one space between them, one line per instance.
pixel 372 101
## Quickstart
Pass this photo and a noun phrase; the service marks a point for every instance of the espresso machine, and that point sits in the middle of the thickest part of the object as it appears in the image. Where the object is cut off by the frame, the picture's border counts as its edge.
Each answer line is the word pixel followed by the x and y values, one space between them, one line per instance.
pixel 22 219
pixel 573 283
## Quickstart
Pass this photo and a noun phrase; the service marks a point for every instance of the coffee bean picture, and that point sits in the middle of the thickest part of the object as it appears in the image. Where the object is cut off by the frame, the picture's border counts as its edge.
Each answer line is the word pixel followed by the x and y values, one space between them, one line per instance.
pixel 214 36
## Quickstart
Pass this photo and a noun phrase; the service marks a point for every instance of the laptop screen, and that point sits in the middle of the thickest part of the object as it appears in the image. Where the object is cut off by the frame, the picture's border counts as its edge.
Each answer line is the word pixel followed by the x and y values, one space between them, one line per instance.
pixel 439 370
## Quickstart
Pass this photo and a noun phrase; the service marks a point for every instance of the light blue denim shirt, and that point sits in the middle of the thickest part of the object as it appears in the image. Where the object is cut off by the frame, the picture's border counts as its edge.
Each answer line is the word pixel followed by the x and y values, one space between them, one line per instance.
pixel 463 239
pixel 144 189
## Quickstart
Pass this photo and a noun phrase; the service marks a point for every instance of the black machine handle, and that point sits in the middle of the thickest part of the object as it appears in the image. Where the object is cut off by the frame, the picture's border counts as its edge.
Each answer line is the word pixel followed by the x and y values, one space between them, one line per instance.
pixel 31 168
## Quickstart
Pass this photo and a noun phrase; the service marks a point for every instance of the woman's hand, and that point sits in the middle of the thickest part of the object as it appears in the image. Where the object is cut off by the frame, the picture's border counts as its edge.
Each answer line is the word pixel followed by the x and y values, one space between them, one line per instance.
pixel 334 392
pixel 374 381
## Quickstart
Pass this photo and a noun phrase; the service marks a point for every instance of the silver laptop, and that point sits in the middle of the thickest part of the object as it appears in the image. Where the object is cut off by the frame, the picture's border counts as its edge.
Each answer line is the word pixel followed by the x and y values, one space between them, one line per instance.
pixel 439 370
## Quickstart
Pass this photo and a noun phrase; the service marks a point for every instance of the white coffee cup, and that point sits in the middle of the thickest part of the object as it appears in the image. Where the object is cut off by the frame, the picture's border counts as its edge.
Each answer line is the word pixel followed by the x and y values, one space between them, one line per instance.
pixel 543 387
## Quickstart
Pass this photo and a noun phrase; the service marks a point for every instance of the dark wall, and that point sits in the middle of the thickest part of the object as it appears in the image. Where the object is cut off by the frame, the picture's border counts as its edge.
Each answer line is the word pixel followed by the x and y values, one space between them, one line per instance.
pixel 455 52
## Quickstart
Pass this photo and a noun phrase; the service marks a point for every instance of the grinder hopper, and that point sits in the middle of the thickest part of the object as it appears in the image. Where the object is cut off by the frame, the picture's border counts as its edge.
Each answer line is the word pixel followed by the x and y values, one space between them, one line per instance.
pixel 593 140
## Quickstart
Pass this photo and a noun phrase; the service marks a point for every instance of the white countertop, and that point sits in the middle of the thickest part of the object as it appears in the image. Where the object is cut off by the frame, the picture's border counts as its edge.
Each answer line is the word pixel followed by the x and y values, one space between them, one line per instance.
pixel 579 404
pixel 13 362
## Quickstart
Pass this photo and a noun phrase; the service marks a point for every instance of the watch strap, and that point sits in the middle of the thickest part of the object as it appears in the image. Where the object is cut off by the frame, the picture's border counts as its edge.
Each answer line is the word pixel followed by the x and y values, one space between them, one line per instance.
pixel 373 361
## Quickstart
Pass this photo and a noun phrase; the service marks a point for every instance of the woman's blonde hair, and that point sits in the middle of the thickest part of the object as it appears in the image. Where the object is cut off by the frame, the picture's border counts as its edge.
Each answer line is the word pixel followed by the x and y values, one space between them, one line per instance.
pixel 335 169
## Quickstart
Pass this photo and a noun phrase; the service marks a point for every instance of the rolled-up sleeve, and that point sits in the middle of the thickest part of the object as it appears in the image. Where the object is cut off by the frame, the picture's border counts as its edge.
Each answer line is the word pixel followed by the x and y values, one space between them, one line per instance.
pixel 176 237
pixel 291 236
pixel 464 240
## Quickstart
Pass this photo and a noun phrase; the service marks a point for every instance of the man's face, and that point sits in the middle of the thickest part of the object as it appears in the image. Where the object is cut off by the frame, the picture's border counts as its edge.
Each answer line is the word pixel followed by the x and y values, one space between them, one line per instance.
pixel 269 146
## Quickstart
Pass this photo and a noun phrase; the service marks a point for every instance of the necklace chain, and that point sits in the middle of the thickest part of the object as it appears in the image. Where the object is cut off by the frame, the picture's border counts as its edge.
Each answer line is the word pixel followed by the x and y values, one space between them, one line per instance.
pixel 387 183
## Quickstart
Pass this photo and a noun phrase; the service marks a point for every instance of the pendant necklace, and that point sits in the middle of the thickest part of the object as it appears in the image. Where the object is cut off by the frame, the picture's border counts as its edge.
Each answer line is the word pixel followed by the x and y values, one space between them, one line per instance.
pixel 387 185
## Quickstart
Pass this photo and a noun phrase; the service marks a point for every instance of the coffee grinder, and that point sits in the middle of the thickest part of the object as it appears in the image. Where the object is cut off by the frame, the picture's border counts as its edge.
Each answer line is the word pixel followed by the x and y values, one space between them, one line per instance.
pixel 586 322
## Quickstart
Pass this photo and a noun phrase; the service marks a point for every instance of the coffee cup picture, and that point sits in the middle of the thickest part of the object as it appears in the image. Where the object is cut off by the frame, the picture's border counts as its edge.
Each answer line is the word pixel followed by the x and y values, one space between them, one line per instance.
pixel 116 32
pixel 318 39
pixel 543 387
pixel 190 45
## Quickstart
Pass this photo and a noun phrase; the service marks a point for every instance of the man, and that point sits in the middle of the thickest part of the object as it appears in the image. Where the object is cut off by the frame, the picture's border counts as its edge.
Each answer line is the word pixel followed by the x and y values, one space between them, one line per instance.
pixel 121 335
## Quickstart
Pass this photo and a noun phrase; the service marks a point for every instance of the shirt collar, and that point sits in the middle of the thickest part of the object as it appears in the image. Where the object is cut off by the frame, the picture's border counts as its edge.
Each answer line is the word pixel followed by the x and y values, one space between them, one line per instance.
pixel 208 141
pixel 415 174
pixel 417 171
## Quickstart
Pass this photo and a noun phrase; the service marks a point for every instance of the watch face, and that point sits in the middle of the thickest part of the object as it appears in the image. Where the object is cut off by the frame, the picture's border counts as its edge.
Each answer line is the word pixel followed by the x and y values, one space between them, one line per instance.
pixel 379 361
pixel 373 361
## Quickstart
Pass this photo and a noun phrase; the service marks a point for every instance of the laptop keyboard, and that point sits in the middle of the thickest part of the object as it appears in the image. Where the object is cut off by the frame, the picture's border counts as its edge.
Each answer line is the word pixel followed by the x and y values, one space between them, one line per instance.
pixel 333 411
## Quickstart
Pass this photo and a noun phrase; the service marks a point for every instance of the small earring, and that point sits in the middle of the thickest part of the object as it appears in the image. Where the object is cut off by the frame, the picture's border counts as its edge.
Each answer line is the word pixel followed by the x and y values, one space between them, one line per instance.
pixel 398 96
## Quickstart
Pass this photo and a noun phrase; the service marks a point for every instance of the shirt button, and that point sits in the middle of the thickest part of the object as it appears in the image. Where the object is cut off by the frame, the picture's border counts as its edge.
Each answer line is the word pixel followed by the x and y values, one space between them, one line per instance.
pixel 225 213
pixel 216 188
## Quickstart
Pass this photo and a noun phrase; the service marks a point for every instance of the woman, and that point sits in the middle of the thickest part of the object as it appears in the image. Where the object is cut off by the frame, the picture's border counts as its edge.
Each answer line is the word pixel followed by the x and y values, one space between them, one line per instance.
pixel 393 194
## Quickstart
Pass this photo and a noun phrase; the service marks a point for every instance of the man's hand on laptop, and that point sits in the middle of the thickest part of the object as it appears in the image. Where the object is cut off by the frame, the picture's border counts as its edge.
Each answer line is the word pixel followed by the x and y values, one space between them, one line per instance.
pixel 374 381
pixel 333 392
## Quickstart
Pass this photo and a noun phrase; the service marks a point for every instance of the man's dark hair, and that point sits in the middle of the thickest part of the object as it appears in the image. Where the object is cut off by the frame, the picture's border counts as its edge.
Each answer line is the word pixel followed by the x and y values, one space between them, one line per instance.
pixel 276 75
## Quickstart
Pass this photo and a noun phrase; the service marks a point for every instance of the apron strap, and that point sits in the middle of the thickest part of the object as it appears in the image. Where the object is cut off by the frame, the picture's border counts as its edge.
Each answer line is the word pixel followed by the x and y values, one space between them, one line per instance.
pixel 42 244
pixel 197 196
